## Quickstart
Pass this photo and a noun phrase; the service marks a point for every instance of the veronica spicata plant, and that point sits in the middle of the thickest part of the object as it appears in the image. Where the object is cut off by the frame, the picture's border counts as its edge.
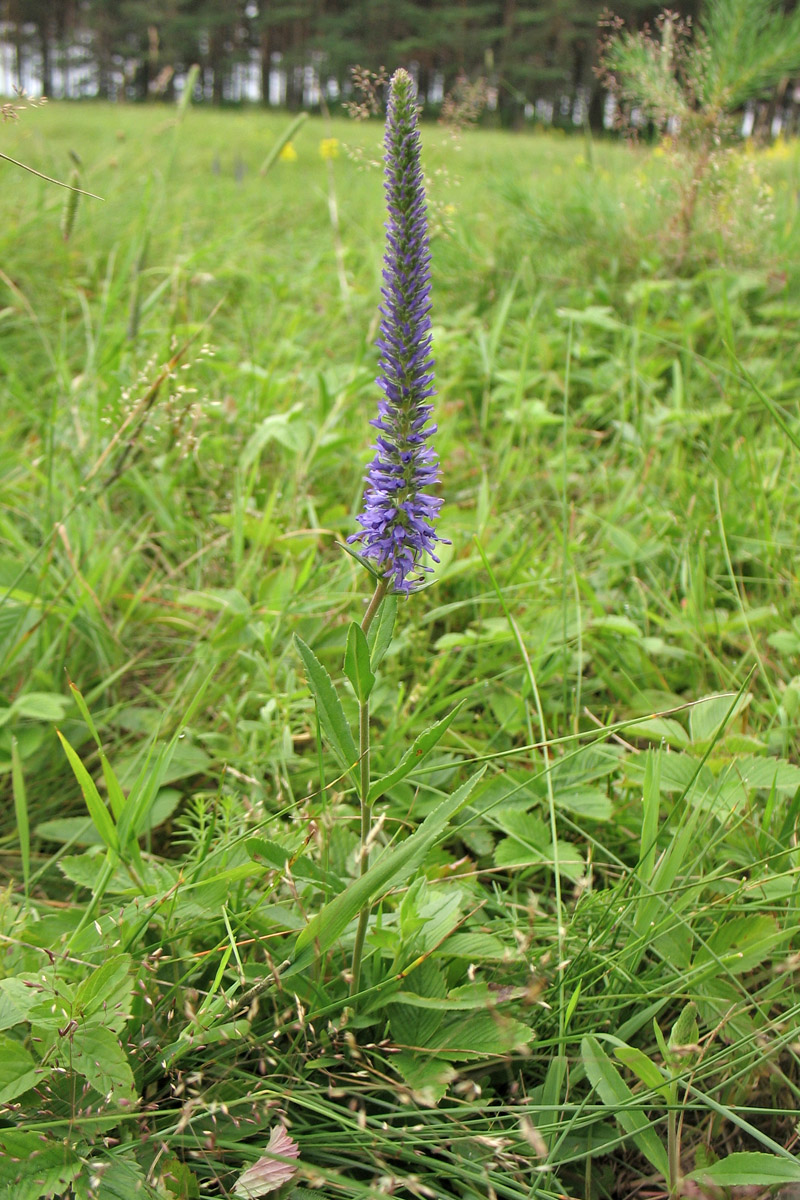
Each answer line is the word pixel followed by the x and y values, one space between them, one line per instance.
pixel 397 534
pixel 397 522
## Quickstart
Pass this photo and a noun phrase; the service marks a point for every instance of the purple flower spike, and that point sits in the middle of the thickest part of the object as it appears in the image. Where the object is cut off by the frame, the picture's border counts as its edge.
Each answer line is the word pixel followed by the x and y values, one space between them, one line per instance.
pixel 399 514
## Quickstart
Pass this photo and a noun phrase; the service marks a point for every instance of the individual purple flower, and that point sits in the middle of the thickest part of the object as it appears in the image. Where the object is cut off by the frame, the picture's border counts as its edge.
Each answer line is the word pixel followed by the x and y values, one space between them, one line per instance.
pixel 399 513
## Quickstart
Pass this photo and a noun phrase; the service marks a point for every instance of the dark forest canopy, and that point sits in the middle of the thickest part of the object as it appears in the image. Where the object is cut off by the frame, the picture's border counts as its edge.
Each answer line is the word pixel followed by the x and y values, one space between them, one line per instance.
pixel 290 51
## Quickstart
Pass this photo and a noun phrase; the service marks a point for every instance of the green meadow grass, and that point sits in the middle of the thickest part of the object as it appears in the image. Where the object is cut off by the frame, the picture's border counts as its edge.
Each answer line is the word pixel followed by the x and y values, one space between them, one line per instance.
pixel 590 977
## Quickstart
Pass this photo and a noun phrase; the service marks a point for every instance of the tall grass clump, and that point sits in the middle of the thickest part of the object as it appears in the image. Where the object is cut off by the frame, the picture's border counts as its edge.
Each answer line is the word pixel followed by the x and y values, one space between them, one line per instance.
pixel 692 84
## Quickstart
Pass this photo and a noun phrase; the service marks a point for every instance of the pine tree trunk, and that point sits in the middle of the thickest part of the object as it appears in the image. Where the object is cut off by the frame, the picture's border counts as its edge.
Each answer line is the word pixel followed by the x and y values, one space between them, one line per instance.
pixel 266 64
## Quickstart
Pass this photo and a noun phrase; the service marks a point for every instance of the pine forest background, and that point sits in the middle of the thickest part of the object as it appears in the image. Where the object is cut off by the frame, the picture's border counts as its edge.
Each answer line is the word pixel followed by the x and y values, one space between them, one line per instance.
pixel 538 59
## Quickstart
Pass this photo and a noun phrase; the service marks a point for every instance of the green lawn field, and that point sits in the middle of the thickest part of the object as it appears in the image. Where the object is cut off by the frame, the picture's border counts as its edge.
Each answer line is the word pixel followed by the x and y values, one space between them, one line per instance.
pixel 582 978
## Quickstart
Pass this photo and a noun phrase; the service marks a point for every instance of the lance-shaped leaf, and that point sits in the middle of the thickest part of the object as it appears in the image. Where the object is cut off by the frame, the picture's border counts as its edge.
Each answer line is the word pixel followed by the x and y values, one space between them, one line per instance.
pixel 394 867
pixel 412 758
pixel 329 706
pixel 379 635
pixel 749 1168
pixel 100 815
pixel 356 663
pixel 614 1092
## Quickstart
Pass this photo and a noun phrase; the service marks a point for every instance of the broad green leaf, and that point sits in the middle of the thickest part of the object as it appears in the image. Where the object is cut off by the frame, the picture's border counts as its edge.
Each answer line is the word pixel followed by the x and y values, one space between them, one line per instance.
pixel 463 1038
pixel 662 729
pixel 394 866
pixel 121 1179
pixel 749 1168
pixel 616 623
pixel 100 815
pixel 586 802
pixel 710 715
pixel 415 1024
pixel 18 1071
pixel 179 1181
pixel 529 844
pixel 380 632
pixel 331 714
pixel 16 1002
pixel 108 991
pixel 742 943
pixel 615 1093
pixel 412 758
pixel 428 1078
pixel 477 947
pixel 41 706
pixel 766 773
pixel 96 1054
pixel 270 852
pixel 678 772
pixel 32 1165
pixel 78 830
pixel 86 870
pixel 356 663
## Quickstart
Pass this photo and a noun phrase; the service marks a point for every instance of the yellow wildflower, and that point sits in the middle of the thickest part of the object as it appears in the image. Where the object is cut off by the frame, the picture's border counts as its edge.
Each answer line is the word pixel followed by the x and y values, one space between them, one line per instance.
pixel 329 148
pixel 288 153
pixel 779 150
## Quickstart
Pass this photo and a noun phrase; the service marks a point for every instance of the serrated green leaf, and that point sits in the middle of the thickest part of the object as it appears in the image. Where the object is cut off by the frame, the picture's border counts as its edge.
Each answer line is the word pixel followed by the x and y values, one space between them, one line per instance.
pixel 96 1054
pixel 586 802
pixel 100 815
pixel 414 1023
pixel 766 773
pixel 270 852
pixel 118 1179
pixel 428 1078
pixel 742 943
pixel 18 1070
pixel 708 716
pixel 615 1093
pixel 749 1168
pixel 41 706
pixel 78 830
pixel 463 1038
pixel 394 866
pixel 477 947
pixel 331 714
pixel 179 1180
pixel 32 1165
pixel 662 729
pixel 87 870
pixel 357 664
pixel 529 844
pixel 108 991
pixel 414 756
pixel 16 1002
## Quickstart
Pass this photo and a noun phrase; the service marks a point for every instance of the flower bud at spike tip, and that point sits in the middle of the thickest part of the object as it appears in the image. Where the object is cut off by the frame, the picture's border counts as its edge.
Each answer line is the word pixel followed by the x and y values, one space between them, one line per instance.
pixel 399 514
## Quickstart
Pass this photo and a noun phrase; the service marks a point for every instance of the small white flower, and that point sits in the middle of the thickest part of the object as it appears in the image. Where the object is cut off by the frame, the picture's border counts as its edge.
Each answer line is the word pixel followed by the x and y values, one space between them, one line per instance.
pixel 269 1172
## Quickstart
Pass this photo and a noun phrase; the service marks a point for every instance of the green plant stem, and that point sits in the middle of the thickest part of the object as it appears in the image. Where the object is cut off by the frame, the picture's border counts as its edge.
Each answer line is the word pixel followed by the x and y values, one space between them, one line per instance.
pixel 673 1153
pixel 366 807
